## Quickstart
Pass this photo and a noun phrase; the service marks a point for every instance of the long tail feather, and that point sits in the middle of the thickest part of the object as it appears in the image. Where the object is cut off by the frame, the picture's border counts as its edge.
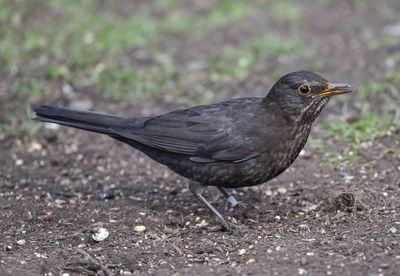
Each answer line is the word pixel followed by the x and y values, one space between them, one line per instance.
pixel 92 121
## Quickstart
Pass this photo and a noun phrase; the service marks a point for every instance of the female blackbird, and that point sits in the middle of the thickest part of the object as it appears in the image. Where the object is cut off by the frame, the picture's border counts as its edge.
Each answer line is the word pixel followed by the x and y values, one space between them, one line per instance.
pixel 236 143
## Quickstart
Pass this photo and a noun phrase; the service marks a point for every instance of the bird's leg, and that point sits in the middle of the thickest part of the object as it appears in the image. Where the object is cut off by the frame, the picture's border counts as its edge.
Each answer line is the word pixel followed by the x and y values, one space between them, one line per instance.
pixel 232 202
pixel 195 188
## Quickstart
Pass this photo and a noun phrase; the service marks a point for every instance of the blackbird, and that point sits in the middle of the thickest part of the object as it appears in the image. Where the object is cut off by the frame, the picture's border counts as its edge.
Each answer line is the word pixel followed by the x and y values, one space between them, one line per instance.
pixel 231 144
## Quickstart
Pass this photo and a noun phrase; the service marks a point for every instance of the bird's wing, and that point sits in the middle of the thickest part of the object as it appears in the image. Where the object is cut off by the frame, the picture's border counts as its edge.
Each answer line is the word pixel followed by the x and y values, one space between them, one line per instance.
pixel 201 137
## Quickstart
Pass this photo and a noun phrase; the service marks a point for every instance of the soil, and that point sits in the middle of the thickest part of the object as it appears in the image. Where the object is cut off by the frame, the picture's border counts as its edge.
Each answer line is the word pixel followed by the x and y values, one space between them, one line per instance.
pixel 314 219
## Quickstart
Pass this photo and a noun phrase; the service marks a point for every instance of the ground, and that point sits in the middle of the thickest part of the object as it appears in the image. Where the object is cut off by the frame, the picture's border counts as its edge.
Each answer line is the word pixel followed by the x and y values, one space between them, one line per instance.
pixel 335 211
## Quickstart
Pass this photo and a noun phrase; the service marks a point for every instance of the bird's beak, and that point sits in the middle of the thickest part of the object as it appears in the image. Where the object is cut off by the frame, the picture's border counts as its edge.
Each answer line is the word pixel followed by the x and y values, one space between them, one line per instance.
pixel 333 89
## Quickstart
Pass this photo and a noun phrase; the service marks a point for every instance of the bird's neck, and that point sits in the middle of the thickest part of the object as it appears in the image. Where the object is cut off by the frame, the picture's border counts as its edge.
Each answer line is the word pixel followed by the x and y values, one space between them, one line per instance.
pixel 298 116
pixel 302 124
pixel 312 111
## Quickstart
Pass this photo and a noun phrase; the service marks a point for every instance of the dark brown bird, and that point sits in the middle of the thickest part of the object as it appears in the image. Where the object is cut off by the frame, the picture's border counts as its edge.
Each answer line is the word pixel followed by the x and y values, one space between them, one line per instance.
pixel 232 144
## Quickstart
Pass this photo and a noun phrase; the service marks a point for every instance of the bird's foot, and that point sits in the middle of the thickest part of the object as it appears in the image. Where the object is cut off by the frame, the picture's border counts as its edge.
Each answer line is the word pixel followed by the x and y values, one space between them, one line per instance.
pixel 241 212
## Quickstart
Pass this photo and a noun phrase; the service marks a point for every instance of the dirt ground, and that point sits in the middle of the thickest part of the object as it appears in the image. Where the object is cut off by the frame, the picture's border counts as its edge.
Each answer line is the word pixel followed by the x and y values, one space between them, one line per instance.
pixel 315 219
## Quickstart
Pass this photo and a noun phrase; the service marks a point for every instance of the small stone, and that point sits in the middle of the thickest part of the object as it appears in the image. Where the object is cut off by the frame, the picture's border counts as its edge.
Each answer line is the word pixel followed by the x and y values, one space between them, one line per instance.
pixel 242 252
pixel 101 234
pixel 384 265
pixel 51 126
pixel 84 104
pixel 312 208
pixel 302 271
pixel 251 261
pixel 82 245
pixel 393 230
pixel 21 242
pixel 39 255
pixel 282 190
pixel 277 218
pixel 348 179
pixel 35 147
pixel 268 193
pixel 19 162
pixel 139 228
pixel 202 224
pixel 107 195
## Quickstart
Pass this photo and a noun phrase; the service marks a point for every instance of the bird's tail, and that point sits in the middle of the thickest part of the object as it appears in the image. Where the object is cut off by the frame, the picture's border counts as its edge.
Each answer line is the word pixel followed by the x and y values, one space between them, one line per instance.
pixel 92 121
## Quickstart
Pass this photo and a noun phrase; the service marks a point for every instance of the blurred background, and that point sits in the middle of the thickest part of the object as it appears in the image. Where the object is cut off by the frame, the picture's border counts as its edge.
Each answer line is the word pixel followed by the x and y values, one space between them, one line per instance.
pixel 109 55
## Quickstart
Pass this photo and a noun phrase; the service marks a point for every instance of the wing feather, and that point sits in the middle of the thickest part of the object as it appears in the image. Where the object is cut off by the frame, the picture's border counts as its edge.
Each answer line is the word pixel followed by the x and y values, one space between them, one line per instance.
pixel 202 136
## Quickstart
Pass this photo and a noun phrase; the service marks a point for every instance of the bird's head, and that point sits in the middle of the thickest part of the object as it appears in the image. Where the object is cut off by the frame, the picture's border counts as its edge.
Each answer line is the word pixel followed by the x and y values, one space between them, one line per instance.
pixel 301 95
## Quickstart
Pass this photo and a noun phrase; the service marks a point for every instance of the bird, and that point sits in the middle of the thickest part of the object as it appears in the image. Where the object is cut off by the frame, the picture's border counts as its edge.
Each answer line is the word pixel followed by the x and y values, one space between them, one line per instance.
pixel 230 144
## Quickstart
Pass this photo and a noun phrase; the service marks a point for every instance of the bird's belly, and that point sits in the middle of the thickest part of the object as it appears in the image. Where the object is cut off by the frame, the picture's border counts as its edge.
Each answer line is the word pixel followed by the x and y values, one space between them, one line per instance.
pixel 266 166
pixel 230 175
pixel 224 174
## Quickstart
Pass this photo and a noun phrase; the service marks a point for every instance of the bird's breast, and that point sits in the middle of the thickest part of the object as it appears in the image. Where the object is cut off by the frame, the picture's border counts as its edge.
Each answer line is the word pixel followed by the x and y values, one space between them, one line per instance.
pixel 285 152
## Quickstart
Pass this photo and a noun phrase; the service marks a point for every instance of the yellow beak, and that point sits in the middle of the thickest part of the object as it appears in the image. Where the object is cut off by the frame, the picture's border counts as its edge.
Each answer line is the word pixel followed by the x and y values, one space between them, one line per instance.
pixel 333 89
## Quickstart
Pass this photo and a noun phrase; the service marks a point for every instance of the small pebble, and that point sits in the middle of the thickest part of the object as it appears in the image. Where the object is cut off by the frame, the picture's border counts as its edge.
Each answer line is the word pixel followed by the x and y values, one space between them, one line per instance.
pixel 302 271
pixel 312 208
pixel 393 230
pixel 35 147
pixel 282 190
pixel 51 126
pixel 384 265
pixel 242 252
pixel 251 261
pixel 19 162
pixel 21 242
pixel 202 224
pixel 139 228
pixel 101 234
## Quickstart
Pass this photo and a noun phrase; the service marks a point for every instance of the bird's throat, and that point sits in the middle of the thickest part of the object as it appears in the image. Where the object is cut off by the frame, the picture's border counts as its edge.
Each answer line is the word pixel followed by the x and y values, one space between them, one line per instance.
pixel 309 113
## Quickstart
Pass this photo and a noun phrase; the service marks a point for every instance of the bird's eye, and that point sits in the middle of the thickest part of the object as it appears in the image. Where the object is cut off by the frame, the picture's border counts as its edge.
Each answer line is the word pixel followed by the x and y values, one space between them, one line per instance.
pixel 304 89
